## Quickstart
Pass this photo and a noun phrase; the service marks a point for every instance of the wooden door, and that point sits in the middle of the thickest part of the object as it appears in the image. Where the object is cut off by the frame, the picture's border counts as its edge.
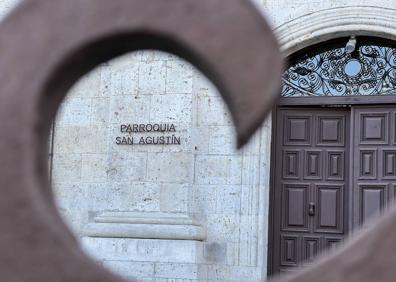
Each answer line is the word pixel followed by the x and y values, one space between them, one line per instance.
pixel 310 185
pixel 374 161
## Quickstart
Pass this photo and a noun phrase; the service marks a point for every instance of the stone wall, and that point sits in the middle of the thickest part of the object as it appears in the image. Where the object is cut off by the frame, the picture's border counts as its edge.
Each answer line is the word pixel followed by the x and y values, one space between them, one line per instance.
pixel 197 211
pixel 210 191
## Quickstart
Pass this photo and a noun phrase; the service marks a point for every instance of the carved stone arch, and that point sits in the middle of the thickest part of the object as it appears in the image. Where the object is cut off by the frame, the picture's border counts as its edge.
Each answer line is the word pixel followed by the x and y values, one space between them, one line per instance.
pixel 323 25
pixel 373 249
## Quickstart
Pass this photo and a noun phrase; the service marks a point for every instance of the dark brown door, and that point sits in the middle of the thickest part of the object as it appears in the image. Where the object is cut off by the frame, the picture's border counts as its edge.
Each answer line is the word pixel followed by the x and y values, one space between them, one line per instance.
pixel 310 185
pixel 319 154
pixel 374 161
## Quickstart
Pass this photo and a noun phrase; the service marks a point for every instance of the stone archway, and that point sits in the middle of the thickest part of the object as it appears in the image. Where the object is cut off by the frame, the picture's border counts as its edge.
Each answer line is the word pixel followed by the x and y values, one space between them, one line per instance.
pixel 328 24
pixel 337 22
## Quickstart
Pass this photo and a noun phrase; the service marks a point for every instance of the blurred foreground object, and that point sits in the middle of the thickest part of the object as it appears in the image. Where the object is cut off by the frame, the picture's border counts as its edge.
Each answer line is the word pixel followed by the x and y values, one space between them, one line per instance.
pixel 47 45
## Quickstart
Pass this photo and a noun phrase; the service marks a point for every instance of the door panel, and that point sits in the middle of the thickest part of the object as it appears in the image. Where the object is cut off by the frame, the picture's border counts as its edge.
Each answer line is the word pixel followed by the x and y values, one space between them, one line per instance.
pixel 309 184
pixel 289 247
pixel 372 200
pixel 311 248
pixel 297 130
pixel 313 164
pixel 368 164
pixel 374 161
pixel 335 165
pixel 373 127
pixel 331 243
pixel 389 164
pixel 291 164
pixel 330 201
pixel 335 170
pixel 331 131
pixel 294 203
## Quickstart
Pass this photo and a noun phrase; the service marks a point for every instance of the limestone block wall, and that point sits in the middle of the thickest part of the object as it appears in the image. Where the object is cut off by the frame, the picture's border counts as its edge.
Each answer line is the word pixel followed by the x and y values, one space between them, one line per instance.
pixel 197 211
pixel 101 175
pixel 214 194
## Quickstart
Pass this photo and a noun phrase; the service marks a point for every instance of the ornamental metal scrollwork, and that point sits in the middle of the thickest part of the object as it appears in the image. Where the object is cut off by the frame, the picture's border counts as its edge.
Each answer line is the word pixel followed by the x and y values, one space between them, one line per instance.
pixel 369 70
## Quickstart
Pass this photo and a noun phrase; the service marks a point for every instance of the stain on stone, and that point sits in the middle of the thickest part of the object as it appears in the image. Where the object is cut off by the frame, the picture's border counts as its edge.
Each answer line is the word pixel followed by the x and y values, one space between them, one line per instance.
pixel 215 252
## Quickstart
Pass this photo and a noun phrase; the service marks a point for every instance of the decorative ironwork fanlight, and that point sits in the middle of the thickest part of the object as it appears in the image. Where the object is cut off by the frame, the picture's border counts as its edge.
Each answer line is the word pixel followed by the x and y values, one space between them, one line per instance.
pixel 333 71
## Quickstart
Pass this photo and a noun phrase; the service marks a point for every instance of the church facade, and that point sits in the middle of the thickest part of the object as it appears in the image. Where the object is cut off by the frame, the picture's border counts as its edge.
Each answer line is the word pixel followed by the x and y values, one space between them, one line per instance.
pixel 145 171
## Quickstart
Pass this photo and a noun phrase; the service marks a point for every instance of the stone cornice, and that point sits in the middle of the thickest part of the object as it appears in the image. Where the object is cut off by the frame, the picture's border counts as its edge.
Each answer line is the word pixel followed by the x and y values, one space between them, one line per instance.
pixel 145 226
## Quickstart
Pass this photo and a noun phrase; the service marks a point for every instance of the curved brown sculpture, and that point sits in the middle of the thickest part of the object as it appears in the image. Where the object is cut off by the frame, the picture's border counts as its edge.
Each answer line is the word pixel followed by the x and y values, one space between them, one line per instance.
pixel 46 45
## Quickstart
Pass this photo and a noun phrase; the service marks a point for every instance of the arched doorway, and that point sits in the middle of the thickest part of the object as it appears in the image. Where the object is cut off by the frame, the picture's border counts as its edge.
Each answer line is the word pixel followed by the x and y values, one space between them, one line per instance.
pixel 334 155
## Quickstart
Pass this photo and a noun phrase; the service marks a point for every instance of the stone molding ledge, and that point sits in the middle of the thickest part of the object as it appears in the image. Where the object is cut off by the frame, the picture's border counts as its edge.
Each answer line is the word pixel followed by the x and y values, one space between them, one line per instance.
pixel 169 226
pixel 336 22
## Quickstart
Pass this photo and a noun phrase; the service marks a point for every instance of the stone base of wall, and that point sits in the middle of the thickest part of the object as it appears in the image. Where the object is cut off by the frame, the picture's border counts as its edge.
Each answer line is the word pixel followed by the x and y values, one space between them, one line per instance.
pixel 167 260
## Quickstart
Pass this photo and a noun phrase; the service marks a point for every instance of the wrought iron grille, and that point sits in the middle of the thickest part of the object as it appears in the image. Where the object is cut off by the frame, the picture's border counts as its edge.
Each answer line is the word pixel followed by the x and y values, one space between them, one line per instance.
pixel 369 70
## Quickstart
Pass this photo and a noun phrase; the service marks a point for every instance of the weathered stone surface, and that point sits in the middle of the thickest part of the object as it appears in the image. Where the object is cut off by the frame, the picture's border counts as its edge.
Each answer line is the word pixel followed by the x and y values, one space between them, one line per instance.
pixel 144 250
pixel 174 198
pixel 179 77
pixel 212 111
pixel 129 269
pixel 152 76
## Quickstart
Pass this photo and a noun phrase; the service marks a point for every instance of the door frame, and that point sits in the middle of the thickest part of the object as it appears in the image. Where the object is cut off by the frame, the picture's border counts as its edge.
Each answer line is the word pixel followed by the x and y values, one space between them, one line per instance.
pixel 315 102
